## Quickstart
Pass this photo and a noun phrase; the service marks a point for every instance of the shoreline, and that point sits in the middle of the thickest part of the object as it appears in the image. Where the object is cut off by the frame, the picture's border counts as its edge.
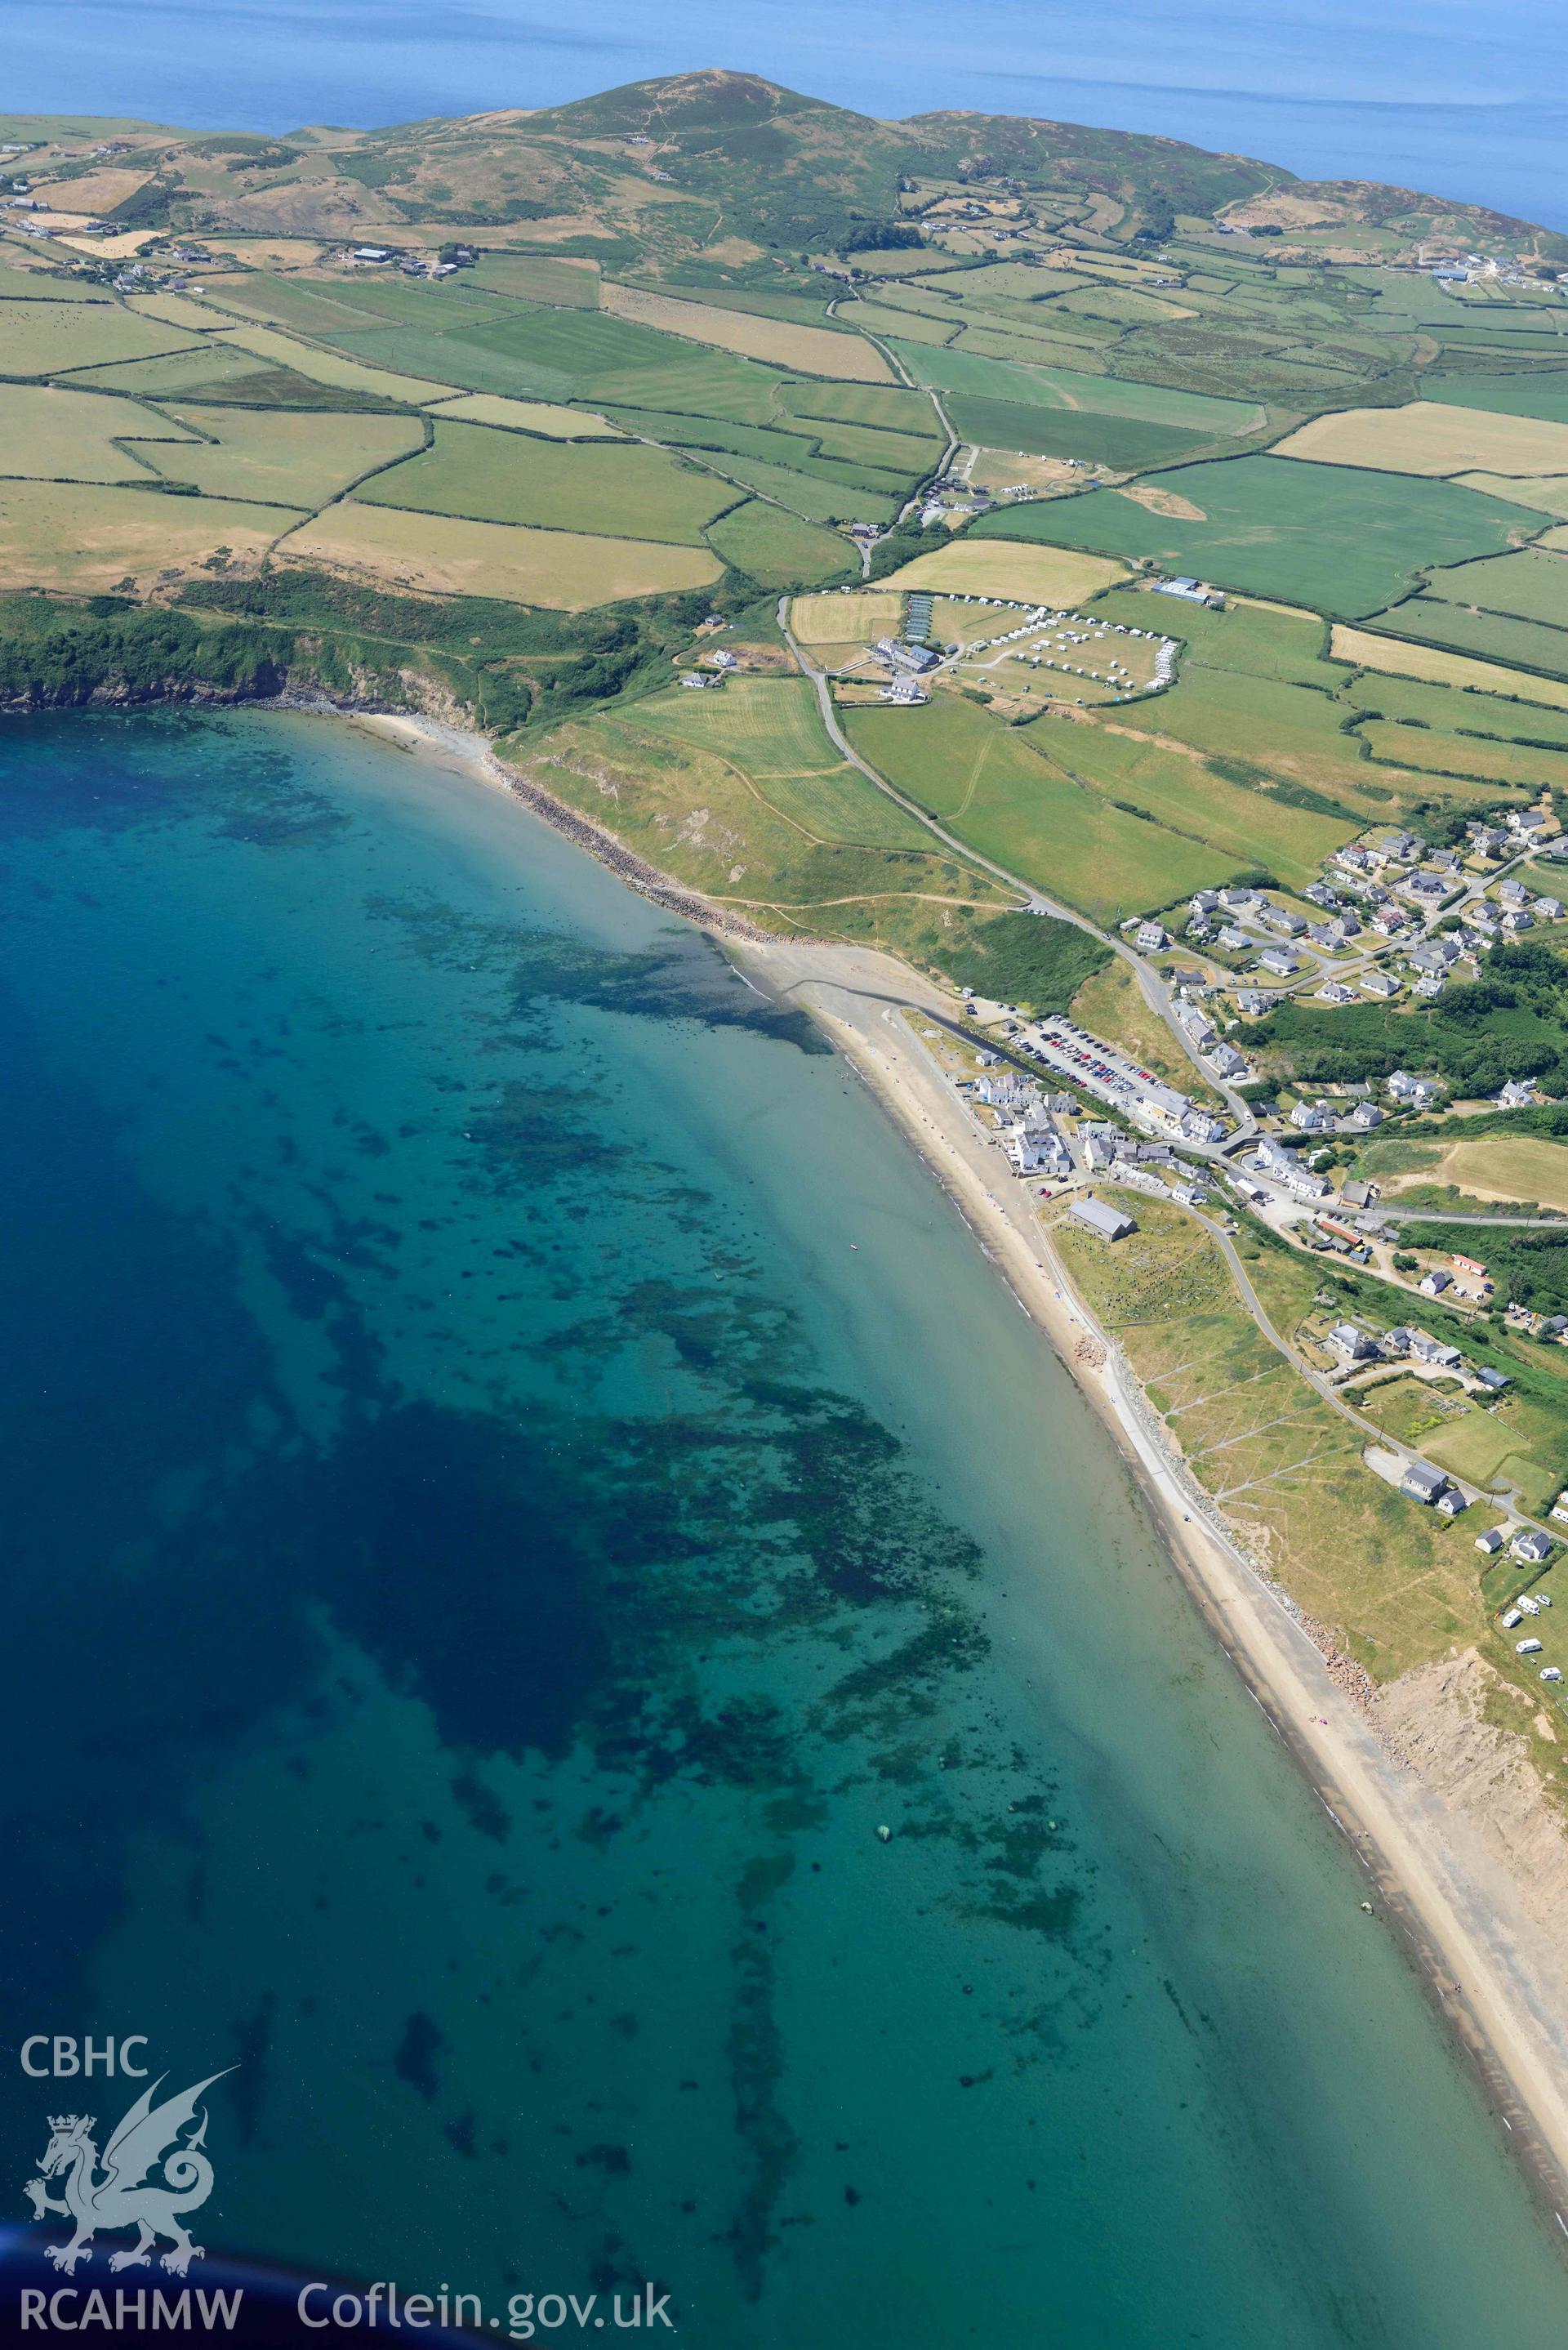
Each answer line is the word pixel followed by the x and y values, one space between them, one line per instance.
pixel 1492 1977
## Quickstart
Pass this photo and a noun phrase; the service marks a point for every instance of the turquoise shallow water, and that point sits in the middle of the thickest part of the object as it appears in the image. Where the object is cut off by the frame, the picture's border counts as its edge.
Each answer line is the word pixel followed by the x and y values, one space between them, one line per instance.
pixel 485 1552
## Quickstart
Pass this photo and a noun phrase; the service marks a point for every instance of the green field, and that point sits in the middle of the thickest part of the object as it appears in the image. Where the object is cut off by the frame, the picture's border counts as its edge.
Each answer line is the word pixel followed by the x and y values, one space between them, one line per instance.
pixel 1123 443
pixel 1339 539
pixel 47 434
pixel 770 729
pixel 283 457
pixel 218 369
pixel 40 338
pixel 1505 395
pixel 1532 585
pixel 1249 826
pixel 863 403
pixel 1488 636
pixel 777 548
pixel 1519 766
pixel 603 487
pixel 1255 639
pixel 1445 708
pixel 993 788
pixel 1061 388
pixel 810 496
pixel 742 822
pixel 32 285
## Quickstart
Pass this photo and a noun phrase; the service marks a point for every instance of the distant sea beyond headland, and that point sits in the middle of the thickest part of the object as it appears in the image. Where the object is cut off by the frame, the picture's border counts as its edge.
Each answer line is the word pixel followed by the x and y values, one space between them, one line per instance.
pixel 1425 96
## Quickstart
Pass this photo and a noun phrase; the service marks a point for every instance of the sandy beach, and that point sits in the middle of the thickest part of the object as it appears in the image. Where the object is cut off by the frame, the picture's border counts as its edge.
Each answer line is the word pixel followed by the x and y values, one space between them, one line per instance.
pixel 1495 1974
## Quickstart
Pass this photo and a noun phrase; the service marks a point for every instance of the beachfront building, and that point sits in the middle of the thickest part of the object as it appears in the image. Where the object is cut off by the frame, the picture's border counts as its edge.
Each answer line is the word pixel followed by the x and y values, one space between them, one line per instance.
pixel 1111 1223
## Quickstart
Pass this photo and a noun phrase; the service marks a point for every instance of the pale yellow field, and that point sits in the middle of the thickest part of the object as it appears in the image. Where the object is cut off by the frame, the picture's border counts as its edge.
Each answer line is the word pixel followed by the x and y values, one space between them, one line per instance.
pixel 563 569
pixel 846 620
pixel 326 367
pixel 1000 469
pixel 527 416
pixel 994 567
pixel 1499 1167
pixel 176 310
pixel 41 338
pixel 268 252
pixel 1392 657
pixel 1428 437
pixel 54 534
pixel 49 434
pixel 273 453
pixel 813 349
pixel 121 247
pixel 1547 491
pixel 95 191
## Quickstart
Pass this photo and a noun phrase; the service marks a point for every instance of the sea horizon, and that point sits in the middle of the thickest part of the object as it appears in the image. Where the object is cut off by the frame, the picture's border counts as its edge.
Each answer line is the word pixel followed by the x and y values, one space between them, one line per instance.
pixel 1328 92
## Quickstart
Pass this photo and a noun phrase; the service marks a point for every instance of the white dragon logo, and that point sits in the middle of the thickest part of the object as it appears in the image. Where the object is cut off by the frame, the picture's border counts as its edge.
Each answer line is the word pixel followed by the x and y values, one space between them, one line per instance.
pixel 125 2196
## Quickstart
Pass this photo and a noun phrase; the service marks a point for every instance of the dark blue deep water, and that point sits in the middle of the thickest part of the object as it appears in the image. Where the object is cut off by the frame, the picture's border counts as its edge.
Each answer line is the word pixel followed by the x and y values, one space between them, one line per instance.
pixel 482 1555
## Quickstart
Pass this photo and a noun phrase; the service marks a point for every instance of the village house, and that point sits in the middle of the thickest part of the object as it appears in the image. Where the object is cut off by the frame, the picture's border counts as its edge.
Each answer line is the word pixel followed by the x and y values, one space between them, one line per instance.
pixel 1423 1482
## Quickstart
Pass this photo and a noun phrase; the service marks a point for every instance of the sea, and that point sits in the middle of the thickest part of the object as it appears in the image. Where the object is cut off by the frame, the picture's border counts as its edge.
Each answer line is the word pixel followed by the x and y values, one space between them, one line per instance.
pixel 1422 93
pixel 567 1636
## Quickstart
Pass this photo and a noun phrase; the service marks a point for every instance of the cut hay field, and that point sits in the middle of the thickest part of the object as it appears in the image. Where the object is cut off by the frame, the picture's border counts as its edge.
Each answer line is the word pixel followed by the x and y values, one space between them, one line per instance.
pixel 574 485
pixel 1340 540
pixel 1392 656
pixel 282 455
pixel 814 350
pixel 1431 438
pixel 539 416
pixel 48 433
pixel 770 730
pixel 779 549
pixel 1548 493
pixel 1518 1168
pixel 1034 575
pixel 834 620
pixel 49 338
pixel 75 540
pixel 445 555
pixel 994 789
